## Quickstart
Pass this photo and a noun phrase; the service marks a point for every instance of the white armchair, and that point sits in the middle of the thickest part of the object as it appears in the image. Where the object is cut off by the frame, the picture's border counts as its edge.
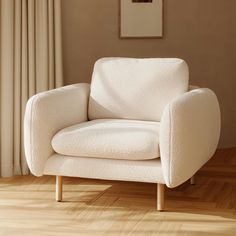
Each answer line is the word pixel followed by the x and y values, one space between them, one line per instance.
pixel 139 121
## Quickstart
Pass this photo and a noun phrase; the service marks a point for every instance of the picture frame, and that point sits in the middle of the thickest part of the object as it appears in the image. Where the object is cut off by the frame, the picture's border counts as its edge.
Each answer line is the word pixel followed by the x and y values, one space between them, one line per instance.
pixel 141 18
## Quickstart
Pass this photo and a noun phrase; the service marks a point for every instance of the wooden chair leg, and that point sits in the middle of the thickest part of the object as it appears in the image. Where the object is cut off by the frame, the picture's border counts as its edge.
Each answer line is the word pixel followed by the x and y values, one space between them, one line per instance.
pixel 160 196
pixel 58 188
pixel 192 180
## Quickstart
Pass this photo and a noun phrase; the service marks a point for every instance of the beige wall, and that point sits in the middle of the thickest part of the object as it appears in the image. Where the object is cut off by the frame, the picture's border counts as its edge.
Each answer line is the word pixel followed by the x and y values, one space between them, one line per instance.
pixel 203 32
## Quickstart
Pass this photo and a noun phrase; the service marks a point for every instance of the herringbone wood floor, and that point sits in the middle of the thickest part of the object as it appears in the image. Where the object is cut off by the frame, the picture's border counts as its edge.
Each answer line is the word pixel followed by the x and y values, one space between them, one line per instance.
pixel 93 207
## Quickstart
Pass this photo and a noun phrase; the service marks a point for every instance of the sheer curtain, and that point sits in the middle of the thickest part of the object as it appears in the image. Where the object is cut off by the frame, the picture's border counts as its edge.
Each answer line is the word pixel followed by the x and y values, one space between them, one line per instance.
pixel 30 62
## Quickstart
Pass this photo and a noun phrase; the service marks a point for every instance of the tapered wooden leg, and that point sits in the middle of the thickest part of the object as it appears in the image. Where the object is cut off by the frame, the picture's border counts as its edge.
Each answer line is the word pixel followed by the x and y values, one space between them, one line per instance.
pixel 160 196
pixel 192 180
pixel 58 188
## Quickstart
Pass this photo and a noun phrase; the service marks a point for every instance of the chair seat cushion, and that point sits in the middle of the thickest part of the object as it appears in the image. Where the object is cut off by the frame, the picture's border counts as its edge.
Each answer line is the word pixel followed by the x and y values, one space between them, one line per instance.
pixel 110 138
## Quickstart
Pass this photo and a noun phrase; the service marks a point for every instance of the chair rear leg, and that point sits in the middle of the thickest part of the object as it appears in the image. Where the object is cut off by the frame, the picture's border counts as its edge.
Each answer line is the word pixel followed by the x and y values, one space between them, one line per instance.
pixel 192 180
pixel 59 185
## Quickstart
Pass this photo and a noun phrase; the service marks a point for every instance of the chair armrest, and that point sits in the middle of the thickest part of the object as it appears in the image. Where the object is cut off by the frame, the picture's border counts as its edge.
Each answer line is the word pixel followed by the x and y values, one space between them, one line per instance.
pixel 48 112
pixel 189 134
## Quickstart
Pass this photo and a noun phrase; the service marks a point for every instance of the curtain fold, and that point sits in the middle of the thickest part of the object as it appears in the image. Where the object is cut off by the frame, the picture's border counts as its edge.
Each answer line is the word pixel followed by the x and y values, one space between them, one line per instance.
pixel 30 62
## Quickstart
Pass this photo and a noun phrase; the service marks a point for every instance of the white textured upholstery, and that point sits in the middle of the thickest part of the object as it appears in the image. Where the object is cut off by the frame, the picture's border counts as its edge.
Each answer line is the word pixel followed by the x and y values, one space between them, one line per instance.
pixel 149 171
pixel 47 113
pixel 110 138
pixel 139 89
pixel 189 134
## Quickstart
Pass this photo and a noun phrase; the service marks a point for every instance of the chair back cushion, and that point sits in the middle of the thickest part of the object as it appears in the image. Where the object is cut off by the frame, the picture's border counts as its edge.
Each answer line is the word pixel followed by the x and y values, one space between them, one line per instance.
pixel 129 88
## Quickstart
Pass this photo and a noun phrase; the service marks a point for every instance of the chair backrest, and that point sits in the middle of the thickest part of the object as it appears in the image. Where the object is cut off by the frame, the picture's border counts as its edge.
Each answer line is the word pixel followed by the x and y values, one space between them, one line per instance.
pixel 129 88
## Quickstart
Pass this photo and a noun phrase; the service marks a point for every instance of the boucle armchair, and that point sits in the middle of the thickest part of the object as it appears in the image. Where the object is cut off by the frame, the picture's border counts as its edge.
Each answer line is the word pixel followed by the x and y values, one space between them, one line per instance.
pixel 139 120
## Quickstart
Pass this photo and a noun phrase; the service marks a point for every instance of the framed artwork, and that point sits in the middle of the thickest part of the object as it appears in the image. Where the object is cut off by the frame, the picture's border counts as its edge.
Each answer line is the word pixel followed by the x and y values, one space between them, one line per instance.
pixel 141 18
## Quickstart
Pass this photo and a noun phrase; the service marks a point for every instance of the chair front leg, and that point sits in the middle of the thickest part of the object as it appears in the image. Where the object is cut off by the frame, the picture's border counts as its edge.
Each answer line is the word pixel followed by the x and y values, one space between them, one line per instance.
pixel 160 196
pixel 59 185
